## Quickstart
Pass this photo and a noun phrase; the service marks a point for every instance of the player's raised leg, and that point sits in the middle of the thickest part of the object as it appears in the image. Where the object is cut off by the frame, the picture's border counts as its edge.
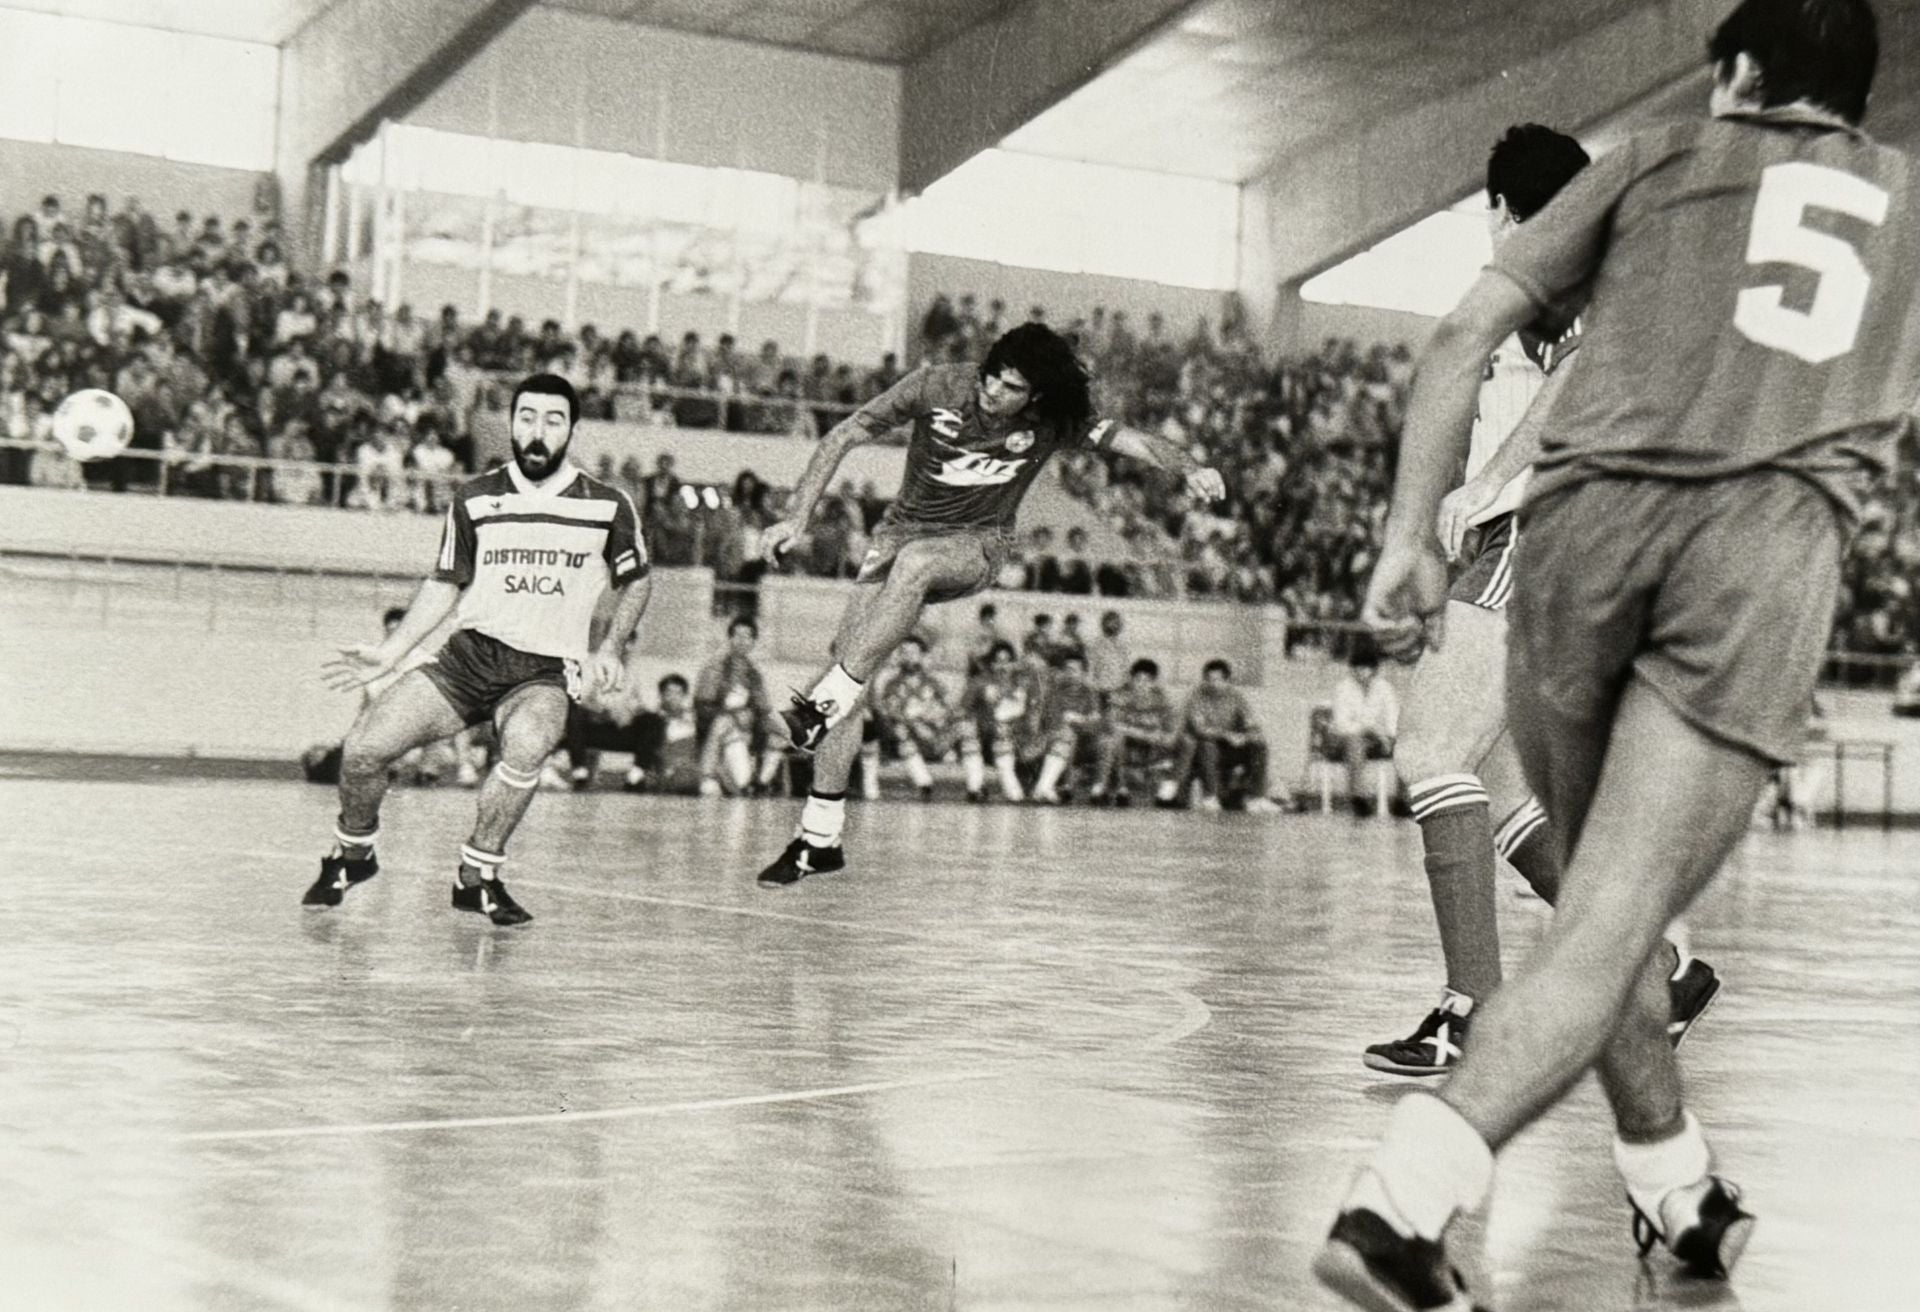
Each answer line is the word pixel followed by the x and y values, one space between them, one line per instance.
pixel 532 720
pixel 407 715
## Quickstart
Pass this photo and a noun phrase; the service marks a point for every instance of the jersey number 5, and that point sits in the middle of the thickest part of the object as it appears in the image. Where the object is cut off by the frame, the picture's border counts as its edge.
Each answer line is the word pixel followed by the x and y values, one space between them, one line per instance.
pixel 1826 329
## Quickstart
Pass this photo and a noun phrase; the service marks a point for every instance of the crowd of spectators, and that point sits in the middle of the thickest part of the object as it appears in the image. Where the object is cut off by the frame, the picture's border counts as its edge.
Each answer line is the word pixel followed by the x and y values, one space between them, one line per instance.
pixel 226 354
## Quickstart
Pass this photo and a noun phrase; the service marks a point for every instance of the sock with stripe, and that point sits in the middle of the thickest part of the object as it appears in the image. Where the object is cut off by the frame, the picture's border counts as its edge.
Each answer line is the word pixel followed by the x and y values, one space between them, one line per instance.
pixel 477 863
pixel 1527 842
pixel 1457 832
pixel 352 846
pixel 823 817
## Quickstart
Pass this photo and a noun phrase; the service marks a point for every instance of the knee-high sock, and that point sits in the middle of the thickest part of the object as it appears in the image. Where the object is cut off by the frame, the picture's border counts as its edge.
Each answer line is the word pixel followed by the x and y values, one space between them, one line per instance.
pixel 1525 841
pixel 1457 831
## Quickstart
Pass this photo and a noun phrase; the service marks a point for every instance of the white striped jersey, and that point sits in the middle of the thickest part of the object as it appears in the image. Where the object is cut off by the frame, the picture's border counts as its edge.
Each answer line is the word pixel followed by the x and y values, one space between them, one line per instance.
pixel 533 561
pixel 1514 376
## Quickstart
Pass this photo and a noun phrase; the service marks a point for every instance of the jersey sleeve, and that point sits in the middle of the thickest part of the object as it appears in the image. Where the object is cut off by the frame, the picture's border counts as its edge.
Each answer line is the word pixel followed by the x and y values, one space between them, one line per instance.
pixel 896 406
pixel 1553 255
pixel 626 553
pixel 455 563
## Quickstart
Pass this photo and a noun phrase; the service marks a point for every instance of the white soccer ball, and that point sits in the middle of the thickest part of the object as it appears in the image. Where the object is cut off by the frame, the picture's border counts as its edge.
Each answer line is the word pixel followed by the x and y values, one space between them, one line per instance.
pixel 93 424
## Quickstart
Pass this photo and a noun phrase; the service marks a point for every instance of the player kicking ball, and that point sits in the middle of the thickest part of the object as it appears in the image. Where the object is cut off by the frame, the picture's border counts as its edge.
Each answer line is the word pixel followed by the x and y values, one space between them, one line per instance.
pixel 979 437
pixel 1453 747
pixel 527 553
pixel 1747 286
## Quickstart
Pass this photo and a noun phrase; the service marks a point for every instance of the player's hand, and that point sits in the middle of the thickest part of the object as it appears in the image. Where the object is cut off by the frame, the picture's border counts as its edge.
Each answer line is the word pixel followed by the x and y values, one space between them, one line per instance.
pixel 1407 597
pixel 606 673
pixel 1459 507
pixel 776 538
pixel 356 667
pixel 1205 484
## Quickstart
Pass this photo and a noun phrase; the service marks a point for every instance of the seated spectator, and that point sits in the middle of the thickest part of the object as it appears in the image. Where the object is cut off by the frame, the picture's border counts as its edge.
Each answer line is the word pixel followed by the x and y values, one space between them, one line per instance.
pixel 1142 737
pixel 1071 723
pixel 985 637
pixel 1038 644
pixel 1004 701
pixel 1366 719
pixel 1224 740
pixel 912 715
pixel 736 717
pixel 1043 567
pixel 1071 645
pixel 1075 574
pixel 663 744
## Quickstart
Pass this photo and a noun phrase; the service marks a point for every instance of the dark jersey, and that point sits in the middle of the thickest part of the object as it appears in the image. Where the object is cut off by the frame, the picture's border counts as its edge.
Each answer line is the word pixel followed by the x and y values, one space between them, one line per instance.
pixel 963 470
pixel 1065 699
pixel 1748 289
pixel 915 697
pixel 1141 710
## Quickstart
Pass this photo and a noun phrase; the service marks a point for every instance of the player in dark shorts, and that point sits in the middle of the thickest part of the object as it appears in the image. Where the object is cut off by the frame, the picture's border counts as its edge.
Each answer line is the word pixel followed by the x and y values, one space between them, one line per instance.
pixel 1453 749
pixel 979 437
pixel 527 553
pixel 1747 287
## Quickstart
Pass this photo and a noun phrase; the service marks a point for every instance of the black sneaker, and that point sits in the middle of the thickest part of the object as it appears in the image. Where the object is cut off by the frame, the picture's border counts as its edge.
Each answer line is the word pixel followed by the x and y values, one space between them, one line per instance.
pixel 489 898
pixel 926 792
pixel 337 875
pixel 806 723
pixel 1712 1242
pixel 800 860
pixel 1372 1265
pixel 1691 993
pixel 1433 1049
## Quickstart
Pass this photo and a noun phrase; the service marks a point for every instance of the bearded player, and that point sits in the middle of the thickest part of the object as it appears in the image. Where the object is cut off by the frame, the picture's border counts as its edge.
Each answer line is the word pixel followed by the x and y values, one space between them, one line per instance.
pixel 1746 285
pixel 1453 748
pixel 527 554
pixel 979 437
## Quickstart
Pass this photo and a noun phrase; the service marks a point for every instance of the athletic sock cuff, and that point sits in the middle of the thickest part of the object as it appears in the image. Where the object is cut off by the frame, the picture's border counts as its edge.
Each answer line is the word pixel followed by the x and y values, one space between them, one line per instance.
pixel 1445 792
pixel 1517 828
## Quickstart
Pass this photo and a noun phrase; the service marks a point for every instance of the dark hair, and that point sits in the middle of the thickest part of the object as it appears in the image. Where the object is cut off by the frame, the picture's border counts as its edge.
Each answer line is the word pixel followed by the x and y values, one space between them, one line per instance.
pixel 743 622
pixel 989 611
pixel 1216 664
pixel 548 385
pixel 1062 392
pixel 1824 51
pixel 394 614
pixel 1528 166
pixel 674 680
pixel 1145 665
pixel 993 652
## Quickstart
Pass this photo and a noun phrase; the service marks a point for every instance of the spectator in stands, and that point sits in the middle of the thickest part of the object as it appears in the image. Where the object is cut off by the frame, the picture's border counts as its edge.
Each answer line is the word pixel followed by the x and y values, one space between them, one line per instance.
pixel 1224 742
pixel 1109 656
pixel 1004 700
pixel 1043 567
pixel 1038 643
pixel 1142 739
pixel 1071 644
pixel 1072 725
pixel 730 697
pixel 1075 573
pixel 1366 719
pixel 985 637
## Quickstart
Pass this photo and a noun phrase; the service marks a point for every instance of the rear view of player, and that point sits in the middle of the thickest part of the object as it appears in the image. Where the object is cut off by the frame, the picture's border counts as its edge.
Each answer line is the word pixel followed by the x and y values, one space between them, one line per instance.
pixel 979 436
pixel 1453 748
pixel 527 553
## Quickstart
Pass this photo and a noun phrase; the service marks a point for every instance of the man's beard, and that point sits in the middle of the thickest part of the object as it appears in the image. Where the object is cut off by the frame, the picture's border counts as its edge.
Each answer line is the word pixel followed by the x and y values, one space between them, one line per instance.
pixel 536 462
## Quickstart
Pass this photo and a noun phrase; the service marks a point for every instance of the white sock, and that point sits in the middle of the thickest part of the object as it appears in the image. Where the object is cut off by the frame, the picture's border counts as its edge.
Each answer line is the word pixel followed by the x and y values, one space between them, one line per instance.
pixel 822 818
pixel 1009 780
pixel 1652 1171
pixel 1456 1003
pixel 770 763
pixel 836 694
pixel 736 758
pixel 1050 771
pixel 918 772
pixel 1431 1165
pixel 975 770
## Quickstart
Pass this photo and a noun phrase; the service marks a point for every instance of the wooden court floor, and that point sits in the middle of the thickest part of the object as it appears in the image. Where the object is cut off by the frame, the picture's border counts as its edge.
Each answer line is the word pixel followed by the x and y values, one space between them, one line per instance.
pixel 1014 1059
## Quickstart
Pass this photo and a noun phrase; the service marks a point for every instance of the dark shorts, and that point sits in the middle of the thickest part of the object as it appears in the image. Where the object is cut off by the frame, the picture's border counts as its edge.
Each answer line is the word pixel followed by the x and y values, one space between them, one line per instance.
pixel 1718 594
pixel 972 554
pixel 475 673
pixel 1487 579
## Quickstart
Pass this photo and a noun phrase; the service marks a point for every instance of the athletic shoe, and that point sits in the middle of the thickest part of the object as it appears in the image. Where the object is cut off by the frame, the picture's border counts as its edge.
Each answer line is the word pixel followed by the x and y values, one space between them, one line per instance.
pixel 1709 1238
pixel 800 860
pixel 1433 1049
pixel 1372 1265
pixel 926 792
pixel 337 875
pixel 806 723
pixel 1692 992
pixel 1047 797
pixel 490 898
pixel 1263 806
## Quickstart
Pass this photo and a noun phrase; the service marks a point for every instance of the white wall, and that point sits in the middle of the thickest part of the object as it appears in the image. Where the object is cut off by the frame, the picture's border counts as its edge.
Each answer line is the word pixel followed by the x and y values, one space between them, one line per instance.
pixel 30 170
pixel 576 80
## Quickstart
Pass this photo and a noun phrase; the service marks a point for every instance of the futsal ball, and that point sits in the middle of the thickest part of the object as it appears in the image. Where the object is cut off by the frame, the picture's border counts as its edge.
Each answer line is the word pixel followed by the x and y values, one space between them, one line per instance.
pixel 93 424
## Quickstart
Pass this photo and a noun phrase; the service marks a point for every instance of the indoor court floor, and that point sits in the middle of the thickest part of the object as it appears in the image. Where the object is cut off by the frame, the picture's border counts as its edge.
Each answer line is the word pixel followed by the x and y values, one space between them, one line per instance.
pixel 1015 1058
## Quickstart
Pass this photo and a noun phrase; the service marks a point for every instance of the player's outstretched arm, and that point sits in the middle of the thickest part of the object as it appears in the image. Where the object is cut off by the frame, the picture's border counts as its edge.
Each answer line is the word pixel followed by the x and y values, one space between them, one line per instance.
pixel 1203 482
pixel 356 666
pixel 1409 583
pixel 872 421
pixel 1517 453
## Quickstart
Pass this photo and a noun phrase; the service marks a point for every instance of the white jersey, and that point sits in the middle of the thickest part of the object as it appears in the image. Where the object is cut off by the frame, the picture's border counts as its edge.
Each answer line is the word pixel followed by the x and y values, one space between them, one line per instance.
pixel 1515 374
pixel 534 561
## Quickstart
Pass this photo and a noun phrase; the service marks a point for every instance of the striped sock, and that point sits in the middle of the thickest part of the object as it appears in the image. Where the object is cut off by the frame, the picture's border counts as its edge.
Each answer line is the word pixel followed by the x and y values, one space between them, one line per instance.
pixel 823 817
pixel 1526 842
pixel 1457 833
pixel 483 864
pixel 347 842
